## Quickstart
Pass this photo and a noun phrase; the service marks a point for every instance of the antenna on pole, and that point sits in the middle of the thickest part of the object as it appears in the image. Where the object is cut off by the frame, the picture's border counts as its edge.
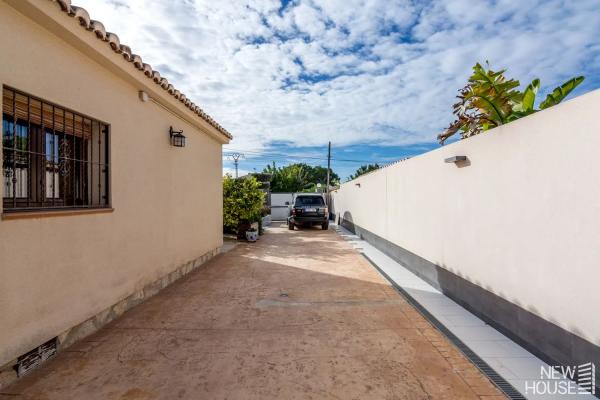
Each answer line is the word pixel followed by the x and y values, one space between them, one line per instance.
pixel 236 158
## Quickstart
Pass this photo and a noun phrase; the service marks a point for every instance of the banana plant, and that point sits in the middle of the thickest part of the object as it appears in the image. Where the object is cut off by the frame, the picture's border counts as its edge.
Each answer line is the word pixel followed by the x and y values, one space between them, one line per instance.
pixel 490 99
pixel 561 92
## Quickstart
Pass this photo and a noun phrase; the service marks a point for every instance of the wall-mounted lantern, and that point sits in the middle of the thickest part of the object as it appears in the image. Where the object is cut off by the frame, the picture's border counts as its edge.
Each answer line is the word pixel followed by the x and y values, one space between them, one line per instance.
pixel 459 161
pixel 177 138
pixel 456 159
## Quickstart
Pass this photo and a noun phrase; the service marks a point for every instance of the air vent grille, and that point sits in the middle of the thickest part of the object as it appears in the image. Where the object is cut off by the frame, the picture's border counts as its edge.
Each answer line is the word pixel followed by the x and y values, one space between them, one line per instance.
pixel 35 357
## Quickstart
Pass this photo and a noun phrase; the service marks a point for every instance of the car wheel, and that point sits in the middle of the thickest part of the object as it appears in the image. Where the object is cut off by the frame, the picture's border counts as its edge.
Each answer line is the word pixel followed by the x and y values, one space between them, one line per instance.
pixel 325 226
pixel 290 226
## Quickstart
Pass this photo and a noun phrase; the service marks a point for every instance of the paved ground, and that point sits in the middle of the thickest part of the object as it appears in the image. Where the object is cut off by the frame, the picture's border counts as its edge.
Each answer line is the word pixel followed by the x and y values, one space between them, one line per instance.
pixel 298 315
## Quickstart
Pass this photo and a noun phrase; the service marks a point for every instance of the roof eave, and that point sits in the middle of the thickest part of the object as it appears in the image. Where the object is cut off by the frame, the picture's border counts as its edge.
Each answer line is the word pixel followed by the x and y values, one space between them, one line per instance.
pixel 105 48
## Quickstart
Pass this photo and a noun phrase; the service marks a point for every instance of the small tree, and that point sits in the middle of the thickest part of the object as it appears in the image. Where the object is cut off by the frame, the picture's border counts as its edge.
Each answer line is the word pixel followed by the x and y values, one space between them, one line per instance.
pixel 242 203
pixel 364 169
pixel 490 100
pixel 299 177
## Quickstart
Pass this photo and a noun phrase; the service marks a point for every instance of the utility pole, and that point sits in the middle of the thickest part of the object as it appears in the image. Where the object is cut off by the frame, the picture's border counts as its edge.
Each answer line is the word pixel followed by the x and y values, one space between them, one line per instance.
pixel 328 166
pixel 236 157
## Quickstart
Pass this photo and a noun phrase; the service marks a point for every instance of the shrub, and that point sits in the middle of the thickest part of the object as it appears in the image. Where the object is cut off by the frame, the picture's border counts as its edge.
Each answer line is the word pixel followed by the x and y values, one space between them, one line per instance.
pixel 242 203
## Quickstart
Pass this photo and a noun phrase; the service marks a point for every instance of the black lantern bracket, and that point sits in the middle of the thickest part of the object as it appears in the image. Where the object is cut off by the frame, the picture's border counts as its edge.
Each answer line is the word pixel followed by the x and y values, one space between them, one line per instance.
pixel 177 138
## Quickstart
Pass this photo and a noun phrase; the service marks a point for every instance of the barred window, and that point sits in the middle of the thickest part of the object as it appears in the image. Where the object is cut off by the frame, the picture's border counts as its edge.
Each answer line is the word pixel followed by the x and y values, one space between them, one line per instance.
pixel 52 157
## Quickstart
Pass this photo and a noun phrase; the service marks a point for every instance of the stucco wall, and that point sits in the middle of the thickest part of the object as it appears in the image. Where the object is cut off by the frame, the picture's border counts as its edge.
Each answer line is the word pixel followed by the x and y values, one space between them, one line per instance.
pixel 521 221
pixel 57 272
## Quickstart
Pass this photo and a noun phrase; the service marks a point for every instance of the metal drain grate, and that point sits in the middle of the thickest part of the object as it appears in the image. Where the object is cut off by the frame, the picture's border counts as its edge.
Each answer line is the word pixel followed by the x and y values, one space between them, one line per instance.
pixel 505 387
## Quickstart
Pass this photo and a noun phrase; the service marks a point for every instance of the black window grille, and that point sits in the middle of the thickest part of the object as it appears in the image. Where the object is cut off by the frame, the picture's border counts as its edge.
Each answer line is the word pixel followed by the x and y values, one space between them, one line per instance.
pixel 52 157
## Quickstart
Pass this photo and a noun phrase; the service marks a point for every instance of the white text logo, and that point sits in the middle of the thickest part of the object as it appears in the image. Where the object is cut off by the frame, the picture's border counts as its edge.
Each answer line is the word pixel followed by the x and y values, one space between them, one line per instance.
pixel 560 379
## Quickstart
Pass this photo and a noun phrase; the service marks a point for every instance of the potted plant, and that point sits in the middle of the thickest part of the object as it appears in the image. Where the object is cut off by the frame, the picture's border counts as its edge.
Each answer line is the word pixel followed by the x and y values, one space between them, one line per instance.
pixel 252 235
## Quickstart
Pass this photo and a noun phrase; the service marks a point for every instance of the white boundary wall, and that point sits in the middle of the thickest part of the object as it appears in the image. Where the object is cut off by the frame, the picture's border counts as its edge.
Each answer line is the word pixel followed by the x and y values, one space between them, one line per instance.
pixel 521 221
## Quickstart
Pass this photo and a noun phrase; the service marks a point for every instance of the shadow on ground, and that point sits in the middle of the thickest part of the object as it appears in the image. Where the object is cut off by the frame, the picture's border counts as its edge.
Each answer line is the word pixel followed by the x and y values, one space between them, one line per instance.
pixel 297 315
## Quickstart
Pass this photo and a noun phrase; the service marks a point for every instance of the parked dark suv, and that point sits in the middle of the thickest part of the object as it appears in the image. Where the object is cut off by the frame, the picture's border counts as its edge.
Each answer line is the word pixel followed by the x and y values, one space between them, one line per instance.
pixel 308 209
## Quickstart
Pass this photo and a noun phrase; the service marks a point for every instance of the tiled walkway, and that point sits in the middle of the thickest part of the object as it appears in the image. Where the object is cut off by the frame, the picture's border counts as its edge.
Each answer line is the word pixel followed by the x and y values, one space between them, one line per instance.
pixel 515 364
pixel 297 315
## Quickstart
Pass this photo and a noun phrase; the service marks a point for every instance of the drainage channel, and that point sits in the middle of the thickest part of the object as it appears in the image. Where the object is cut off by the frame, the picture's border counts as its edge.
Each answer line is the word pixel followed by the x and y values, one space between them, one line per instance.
pixel 484 367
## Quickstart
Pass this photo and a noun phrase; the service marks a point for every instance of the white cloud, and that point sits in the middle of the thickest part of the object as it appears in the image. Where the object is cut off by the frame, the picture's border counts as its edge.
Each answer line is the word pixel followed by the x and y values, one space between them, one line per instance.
pixel 231 171
pixel 349 71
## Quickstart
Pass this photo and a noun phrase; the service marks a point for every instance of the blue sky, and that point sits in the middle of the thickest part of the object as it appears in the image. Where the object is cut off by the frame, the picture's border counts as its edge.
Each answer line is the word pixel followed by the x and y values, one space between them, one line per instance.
pixel 377 78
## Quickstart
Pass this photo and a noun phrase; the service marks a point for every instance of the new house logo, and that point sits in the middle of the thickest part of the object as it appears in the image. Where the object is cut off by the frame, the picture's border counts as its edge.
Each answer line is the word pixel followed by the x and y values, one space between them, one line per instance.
pixel 561 380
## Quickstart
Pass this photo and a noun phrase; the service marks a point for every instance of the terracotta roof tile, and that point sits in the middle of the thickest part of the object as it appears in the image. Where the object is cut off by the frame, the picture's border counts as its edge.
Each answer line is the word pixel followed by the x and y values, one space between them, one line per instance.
pixel 113 41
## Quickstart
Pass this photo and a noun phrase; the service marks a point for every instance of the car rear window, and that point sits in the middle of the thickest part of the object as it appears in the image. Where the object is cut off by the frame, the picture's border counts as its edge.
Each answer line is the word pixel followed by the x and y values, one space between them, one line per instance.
pixel 309 201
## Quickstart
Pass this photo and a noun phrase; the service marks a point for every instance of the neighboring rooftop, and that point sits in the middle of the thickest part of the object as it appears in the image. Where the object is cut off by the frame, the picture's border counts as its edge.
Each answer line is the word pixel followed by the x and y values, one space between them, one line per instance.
pixel 113 41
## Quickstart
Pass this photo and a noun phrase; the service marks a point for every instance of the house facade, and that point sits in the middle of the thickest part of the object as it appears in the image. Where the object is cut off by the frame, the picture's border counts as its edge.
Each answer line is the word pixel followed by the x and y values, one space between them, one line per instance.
pixel 101 204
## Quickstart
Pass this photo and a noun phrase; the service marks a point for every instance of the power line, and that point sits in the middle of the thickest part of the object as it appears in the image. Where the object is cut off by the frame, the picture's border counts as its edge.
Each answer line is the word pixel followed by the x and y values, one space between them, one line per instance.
pixel 291 156
pixel 274 154
pixel 282 158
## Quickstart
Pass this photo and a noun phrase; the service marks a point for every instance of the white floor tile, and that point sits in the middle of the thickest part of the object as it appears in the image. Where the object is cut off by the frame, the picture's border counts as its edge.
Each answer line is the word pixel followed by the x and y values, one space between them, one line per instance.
pixel 478 333
pixel 461 320
pixel 515 364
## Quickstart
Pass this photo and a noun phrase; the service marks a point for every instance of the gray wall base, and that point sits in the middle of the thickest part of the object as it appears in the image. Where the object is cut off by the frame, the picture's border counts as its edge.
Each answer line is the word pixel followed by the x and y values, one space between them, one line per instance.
pixel 544 339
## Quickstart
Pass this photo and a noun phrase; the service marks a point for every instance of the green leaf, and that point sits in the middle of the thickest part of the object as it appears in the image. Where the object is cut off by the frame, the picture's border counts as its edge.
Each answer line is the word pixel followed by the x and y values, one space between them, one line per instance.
pixel 561 92
pixel 527 100
pixel 515 115
pixel 497 114
pixel 529 95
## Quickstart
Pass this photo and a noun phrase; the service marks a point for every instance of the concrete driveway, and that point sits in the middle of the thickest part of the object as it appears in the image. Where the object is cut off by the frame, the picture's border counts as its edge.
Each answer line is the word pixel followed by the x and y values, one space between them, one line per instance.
pixel 297 315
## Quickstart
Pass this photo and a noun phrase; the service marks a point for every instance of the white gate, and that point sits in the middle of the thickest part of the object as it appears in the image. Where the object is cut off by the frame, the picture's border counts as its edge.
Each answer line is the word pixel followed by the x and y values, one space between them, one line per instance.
pixel 280 210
